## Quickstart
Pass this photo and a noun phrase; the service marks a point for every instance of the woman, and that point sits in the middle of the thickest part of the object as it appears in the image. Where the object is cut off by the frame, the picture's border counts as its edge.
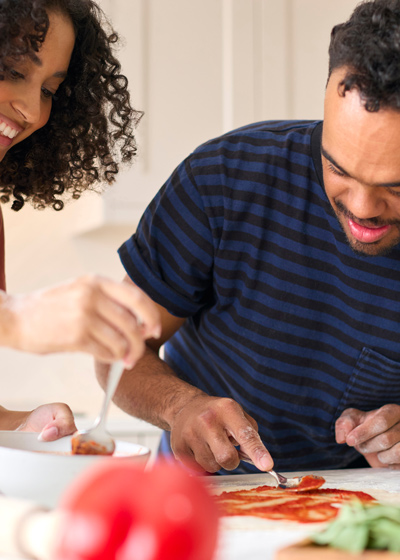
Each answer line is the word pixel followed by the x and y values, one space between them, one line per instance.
pixel 64 114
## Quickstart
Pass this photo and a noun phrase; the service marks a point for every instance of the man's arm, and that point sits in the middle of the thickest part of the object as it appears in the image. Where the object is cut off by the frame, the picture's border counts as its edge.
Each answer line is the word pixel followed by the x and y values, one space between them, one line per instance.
pixel 204 429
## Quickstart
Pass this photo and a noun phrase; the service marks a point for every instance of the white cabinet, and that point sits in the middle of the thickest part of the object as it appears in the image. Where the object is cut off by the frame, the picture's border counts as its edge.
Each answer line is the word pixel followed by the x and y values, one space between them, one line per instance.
pixel 201 67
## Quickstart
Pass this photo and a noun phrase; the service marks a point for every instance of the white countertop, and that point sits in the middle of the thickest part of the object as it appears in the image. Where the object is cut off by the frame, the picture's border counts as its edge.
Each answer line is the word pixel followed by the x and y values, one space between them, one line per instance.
pixel 262 543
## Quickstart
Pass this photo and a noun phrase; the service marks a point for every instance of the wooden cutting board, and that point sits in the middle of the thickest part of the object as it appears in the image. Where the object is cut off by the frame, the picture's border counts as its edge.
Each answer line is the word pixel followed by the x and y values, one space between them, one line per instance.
pixel 307 551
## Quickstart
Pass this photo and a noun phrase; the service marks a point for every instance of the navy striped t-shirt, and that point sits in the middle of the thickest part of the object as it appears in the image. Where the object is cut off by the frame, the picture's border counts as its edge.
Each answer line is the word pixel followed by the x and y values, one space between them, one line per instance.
pixel 282 315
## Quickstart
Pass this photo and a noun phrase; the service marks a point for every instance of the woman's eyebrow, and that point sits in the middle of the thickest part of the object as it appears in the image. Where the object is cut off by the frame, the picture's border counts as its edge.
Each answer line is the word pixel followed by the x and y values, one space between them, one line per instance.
pixel 60 74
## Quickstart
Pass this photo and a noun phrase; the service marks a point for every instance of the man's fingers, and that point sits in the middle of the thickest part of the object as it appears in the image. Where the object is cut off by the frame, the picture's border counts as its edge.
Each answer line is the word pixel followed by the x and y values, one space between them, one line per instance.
pixel 374 423
pixel 381 442
pixel 252 446
pixel 212 460
pixel 224 452
pixel 197 457
pixel 390 456
pixel 209 430
pixel 346 423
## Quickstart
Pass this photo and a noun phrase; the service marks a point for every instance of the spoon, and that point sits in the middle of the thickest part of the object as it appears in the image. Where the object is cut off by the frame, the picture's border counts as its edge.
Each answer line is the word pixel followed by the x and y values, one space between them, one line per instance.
pixel 96 440
pixel 297 483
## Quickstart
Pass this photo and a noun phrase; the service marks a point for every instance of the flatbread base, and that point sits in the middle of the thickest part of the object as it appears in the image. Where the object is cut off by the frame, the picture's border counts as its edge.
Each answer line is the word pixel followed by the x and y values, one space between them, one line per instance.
pixel 253 523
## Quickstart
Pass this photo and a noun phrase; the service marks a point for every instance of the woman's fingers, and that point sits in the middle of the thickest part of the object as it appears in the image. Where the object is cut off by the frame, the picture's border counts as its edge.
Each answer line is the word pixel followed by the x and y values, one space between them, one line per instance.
pixel 108 319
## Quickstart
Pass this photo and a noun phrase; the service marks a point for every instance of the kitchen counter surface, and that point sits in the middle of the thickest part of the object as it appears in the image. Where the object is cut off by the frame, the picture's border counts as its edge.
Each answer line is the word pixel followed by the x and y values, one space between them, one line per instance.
pixel 263 540
pixel 260 539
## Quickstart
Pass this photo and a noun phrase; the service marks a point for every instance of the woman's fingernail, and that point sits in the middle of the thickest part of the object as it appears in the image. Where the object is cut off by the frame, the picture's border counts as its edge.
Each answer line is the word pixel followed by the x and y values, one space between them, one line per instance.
pixel 128 364
pixel 48 434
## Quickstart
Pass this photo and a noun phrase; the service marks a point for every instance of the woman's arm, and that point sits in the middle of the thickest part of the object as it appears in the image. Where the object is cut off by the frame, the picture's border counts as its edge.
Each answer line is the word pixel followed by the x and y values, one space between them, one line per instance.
pixel 110 320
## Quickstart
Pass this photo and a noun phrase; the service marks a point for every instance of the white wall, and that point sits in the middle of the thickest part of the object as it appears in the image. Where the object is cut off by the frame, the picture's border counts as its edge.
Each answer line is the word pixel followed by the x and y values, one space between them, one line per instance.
pixel 197 68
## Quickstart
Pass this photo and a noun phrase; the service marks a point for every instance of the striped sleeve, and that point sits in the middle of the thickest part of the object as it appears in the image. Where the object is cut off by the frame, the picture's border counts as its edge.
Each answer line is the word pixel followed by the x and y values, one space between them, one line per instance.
pixel 171 254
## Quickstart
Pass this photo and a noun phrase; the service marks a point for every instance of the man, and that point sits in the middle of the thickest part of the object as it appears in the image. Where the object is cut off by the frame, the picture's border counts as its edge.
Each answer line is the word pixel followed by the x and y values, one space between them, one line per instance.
pixel 273 255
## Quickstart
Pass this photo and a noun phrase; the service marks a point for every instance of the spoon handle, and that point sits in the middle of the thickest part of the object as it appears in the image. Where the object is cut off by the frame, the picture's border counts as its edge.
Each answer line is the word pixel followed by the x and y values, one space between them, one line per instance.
pixel 114 376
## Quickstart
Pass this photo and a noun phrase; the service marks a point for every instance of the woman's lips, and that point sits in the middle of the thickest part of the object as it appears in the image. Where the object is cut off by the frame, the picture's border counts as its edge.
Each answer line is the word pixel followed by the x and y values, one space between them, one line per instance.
pixel 10 123
pixel 367 234
pixel 5 140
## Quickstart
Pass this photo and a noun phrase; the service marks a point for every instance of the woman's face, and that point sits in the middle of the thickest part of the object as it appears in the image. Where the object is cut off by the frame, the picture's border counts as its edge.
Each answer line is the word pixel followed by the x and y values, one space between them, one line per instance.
pixel 26 95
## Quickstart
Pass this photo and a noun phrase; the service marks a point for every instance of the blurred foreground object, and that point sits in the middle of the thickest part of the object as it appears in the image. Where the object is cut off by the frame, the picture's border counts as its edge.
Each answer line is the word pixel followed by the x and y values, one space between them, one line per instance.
pixel 359 527
pixel 360 531
pixel 117 511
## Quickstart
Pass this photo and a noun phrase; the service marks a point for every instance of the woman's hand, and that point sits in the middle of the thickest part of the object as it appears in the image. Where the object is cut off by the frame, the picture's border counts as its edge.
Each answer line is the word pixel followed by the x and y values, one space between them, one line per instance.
pixel 53 421
pixel 110 320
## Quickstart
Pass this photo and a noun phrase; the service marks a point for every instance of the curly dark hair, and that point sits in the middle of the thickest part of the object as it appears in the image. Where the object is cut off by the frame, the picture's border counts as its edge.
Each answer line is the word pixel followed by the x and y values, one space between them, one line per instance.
pixel 368 44
pixel 90 129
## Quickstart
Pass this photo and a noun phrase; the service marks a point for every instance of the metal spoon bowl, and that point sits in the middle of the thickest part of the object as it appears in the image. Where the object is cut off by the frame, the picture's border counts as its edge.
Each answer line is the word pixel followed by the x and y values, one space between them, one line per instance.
pixel 297 483
pixel 96 440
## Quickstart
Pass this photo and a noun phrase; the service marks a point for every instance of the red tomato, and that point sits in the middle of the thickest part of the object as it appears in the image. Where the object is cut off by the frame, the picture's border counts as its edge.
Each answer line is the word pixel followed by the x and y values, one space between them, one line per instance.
pixel 116 511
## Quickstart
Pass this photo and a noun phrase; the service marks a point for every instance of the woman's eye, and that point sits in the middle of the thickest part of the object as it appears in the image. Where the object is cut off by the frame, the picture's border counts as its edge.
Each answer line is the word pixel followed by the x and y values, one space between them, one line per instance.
pixel 48 94
pixel 15 75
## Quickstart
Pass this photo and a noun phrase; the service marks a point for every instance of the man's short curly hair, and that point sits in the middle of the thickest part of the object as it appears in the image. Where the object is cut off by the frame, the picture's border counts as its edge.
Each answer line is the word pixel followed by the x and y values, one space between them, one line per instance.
pixel 368 44
pixel 90 129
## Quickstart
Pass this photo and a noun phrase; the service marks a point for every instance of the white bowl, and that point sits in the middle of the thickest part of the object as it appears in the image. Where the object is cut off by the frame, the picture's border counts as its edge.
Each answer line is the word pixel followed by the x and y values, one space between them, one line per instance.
pixel 43 477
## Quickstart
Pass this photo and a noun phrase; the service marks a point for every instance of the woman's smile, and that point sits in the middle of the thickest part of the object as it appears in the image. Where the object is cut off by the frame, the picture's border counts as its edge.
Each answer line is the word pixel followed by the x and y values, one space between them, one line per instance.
pixel 8 130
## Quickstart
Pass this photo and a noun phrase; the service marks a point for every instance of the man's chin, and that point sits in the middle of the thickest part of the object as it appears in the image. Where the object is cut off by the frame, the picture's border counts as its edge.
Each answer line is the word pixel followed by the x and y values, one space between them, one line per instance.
pixel 381 248
pixel 377 249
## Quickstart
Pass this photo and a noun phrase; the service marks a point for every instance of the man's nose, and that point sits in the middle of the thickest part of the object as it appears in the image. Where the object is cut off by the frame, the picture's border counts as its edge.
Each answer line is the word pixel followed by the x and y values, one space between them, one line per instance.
pixel 366 202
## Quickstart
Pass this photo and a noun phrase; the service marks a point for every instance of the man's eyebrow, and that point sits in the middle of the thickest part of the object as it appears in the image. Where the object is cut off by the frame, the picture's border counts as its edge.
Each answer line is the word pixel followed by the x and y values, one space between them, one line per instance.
pixel 330 158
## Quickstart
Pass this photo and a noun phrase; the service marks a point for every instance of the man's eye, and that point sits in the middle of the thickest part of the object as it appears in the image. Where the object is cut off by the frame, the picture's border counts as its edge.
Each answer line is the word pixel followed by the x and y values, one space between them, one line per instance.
pixel 394 190
pixel 335 170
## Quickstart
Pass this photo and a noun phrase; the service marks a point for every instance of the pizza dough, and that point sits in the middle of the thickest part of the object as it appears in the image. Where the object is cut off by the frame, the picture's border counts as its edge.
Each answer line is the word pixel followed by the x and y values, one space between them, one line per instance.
pixel 269 502
pixel 381 484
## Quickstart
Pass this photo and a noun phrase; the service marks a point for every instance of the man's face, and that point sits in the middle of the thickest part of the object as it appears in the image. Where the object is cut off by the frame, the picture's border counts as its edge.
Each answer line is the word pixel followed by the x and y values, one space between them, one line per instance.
pixel 361 169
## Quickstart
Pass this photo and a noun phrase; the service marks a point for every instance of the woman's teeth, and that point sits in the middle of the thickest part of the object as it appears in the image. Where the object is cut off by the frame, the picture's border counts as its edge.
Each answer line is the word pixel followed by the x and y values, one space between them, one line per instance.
pixel 6 130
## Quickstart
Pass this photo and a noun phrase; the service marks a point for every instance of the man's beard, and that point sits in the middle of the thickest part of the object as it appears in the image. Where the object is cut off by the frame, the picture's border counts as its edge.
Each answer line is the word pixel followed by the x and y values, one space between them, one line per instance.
pixel 359 247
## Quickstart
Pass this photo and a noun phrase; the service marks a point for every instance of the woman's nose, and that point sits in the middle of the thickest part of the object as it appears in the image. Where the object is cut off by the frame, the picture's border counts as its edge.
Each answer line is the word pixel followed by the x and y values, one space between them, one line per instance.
pixel 28 106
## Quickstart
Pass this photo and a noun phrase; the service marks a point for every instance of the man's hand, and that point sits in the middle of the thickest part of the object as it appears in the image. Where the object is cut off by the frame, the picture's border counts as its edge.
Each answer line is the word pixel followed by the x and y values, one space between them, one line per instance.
pixel 206 430
pixel 110 320
pixel 375 434
pixel 53 421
